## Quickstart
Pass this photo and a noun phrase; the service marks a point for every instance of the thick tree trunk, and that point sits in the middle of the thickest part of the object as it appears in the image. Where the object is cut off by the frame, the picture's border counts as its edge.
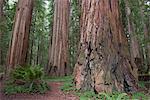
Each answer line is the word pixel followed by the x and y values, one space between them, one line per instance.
pixel 1 19
pixel 134 43
pixel 58 59
pixel 20 36
pixel 104 60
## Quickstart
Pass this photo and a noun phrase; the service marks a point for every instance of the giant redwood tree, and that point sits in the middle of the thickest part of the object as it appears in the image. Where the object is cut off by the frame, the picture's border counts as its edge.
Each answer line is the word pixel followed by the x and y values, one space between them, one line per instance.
pixel 58 59
pixel 20 36
pixel 104 61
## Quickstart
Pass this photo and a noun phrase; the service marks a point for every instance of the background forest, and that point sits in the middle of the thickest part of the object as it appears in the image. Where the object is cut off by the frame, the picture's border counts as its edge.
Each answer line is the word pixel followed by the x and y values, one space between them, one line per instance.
pixel 52 37
pixel 41 31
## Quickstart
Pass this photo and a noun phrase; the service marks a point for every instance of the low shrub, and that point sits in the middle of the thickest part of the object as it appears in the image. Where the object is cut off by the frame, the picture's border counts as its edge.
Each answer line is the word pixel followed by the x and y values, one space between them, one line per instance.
pixel 91 95
pixel 26 79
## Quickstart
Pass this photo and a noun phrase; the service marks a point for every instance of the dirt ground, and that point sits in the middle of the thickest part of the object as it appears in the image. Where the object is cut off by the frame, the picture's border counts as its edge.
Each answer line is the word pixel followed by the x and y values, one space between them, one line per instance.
pixel 54 94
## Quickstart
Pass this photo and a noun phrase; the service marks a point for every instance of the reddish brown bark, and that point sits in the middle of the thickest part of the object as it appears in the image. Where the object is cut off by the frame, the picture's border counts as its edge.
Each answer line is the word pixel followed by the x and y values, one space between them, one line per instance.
pixel 20 36
pixel 104 60
pixel 58 59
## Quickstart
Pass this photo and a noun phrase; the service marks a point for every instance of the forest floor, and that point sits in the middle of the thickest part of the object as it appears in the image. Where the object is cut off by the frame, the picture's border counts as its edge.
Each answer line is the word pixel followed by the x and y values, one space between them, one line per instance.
pixel 54 94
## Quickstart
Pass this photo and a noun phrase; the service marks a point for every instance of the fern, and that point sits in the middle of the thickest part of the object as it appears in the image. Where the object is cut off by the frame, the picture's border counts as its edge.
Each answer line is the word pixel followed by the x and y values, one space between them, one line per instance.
pixel 106 95
pixel 120 96
pixel 30 77
pixel 113 97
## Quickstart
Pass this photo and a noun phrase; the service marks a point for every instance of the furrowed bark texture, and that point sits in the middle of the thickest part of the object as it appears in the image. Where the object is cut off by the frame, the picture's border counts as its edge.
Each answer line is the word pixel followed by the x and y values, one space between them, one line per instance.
pixel 103 62
pixel 58 59
pixel 20 36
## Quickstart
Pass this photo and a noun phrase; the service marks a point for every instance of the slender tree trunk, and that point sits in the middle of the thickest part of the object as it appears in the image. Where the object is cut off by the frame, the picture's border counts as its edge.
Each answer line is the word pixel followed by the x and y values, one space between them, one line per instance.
pixel 79 1
pixel 1 19
pixel 104 59
pixel 31 53
pixel 38 52
pixel 58 60
pixel 20 36
pixel 41 59
pixel 146 34
pixel 134 43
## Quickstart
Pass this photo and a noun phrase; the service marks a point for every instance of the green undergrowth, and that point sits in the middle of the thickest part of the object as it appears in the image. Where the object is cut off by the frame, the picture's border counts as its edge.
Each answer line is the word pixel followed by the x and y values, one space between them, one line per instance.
pixel 67 82
pixel 143 84
pixel 91 95
pixel 68 86
pixel 26 79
